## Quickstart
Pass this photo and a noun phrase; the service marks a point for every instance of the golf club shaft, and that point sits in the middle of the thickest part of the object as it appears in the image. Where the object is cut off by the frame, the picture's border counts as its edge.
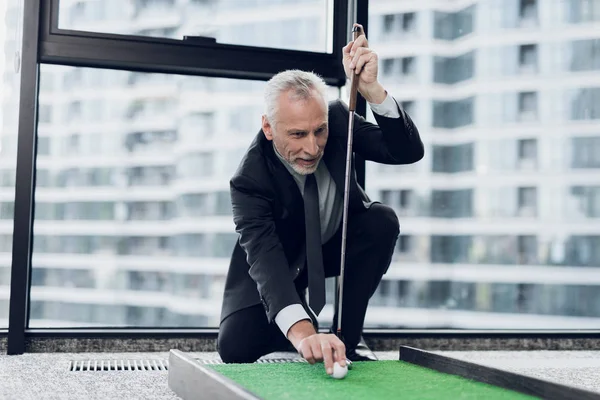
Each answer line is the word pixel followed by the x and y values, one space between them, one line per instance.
pixel 352 108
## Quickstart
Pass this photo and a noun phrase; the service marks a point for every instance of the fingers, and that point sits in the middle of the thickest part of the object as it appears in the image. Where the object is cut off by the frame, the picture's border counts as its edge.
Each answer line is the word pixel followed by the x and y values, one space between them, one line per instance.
pixel 362 56
pixel 327 348
pixel 317 352
pixel 346 49
pixel 340 352
pixel 305 350
pixel 327 352
pixel 359 43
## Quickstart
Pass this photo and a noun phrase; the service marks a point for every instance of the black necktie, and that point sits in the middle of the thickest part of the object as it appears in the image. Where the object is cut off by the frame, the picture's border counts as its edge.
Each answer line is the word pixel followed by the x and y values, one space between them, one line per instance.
pixel 314 257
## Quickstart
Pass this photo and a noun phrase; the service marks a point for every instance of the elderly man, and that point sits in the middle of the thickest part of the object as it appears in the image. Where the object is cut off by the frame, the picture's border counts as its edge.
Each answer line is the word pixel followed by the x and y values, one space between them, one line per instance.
pixel 287 197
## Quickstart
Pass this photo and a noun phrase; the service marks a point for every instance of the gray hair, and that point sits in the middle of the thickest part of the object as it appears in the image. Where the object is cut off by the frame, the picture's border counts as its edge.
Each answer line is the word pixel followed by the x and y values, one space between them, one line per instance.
pixel 300 82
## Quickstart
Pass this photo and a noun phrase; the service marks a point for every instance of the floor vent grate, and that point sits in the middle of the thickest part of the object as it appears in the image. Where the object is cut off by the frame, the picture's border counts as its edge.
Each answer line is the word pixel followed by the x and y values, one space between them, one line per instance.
pixel 262 361
pixel 118 365
pixel 154 365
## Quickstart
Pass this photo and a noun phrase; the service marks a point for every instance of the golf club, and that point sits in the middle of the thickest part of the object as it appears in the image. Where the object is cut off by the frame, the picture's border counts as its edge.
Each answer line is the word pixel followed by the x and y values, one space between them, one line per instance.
pixel 352 108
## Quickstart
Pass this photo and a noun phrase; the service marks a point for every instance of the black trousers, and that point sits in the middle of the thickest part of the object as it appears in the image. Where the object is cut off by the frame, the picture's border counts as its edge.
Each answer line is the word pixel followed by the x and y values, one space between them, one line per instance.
pixel 246 335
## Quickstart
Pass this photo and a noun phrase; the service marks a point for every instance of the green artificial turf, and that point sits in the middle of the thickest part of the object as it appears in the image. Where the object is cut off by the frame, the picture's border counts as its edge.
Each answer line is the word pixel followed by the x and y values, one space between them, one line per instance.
pixel 367 380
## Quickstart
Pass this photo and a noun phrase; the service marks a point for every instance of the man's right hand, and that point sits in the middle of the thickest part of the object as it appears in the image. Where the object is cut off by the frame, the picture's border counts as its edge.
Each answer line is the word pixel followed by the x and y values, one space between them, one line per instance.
pixel 316 347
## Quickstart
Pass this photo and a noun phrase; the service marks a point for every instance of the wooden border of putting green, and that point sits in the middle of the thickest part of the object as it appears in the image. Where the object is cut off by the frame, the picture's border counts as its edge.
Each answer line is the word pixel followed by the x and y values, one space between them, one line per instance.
pixel 191 380
pixel 494 376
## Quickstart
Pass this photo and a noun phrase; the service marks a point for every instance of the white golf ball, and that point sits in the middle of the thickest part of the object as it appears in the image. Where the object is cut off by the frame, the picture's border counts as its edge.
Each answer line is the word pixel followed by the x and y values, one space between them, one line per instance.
pixel 339 372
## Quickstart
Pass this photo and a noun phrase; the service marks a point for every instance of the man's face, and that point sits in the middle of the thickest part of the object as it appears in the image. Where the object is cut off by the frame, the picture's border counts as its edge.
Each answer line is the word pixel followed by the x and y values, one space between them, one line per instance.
pixel 301 131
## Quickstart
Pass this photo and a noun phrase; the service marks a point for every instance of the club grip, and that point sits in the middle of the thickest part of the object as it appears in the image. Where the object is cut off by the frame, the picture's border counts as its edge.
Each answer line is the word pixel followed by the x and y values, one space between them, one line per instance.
pixel 354 79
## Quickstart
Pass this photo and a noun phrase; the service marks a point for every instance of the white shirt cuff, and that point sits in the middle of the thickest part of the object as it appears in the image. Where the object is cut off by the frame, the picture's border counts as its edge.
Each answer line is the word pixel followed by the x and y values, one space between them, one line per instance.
pixel 289 316
pixel 388 108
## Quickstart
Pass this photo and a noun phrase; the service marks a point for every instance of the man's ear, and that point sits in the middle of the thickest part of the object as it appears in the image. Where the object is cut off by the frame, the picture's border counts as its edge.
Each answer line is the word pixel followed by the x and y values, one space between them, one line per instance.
pixel 267 128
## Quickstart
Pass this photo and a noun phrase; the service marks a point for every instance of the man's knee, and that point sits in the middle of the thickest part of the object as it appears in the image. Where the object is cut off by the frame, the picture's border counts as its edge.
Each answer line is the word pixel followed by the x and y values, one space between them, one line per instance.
pixel 232 350
pixel 384 222
pixel 232 347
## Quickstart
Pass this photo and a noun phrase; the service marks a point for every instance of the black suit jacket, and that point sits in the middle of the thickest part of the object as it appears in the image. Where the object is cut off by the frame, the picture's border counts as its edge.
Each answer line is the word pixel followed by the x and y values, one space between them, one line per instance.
pixel 268 209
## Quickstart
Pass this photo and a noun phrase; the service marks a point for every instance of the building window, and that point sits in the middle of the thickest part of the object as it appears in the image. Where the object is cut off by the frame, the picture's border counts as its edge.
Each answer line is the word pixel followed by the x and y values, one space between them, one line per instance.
pixel 585 54
pixel 454 69
pixel 453 159
pixel 452 203
pixel 408 106
pixel 527 153
pixel 527 250
pixel 528 106
pixel 527 198
pixel 585 103
pixel 404 244
pixel 400 200
pixel 581 11
pixel 451 26
pixel 408 66
pixel 585 152
pixel 528 13
pixel 587 201
pixel 395 25
pixel 399 69
pixel 528 58
pixel 453 114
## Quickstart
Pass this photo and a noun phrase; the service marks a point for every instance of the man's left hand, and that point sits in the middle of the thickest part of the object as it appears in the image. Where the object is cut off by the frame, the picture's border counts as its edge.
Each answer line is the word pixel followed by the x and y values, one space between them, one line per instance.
pixel 359 58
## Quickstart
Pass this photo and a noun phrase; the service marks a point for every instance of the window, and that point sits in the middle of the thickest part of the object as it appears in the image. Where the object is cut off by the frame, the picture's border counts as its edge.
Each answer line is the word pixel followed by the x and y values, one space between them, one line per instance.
pixel 528 13
pixel 528 106
pixel 528 58
pixel 453 114
pixel 404 243
pixel 527 197
pixel 130 204
pixel 45 113
pixel 452 203
pixel 399 69
pixel 451 26
pixel 584 55
pixel 585 152
pixel 163 17
pixel 403 201
pixel 584 103
pixel 10 32
pixel 584 201
pixel 490 161
pixel 408 106
pixel 454 69
pixel 527 150
pixel 394 26
pixel 582 11
pixel 527 250
pixel 453 159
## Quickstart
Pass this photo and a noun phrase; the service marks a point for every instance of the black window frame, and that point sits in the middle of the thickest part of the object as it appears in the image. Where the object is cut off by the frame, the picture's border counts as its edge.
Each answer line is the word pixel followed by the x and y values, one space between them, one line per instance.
pixel 188 57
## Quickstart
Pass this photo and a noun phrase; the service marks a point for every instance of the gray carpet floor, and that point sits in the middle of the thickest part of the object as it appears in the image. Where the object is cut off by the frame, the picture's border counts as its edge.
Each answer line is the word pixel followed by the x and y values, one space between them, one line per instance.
pixel 48 376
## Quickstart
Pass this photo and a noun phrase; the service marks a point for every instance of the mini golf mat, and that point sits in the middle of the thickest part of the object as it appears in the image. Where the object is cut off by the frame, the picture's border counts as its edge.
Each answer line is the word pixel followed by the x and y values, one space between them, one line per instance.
pixel 367 380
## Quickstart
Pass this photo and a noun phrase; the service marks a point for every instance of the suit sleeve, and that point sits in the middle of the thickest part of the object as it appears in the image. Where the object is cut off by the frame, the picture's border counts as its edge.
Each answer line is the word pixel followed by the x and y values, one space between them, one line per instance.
pixel 390 141
pixel 253 218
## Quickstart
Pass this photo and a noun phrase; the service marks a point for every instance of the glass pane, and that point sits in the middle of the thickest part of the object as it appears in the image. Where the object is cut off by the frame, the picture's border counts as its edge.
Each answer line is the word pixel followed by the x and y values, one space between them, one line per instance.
pixel 11 28
pixel 286 24
pixel 490 238
pixel 133 223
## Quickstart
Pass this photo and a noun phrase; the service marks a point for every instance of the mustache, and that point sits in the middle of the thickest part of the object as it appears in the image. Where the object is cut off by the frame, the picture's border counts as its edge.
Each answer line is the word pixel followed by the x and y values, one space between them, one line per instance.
pixel 308 159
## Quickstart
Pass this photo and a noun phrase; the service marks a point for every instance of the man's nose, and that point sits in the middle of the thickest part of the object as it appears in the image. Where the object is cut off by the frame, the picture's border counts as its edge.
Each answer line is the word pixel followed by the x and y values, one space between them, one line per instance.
pixel 311 146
